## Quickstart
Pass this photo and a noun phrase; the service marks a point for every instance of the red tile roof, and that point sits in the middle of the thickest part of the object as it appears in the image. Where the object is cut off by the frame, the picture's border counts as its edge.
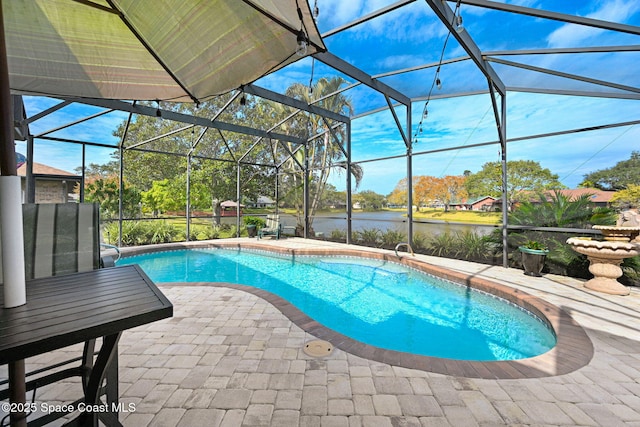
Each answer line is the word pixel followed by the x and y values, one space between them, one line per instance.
pixel 599 196
pixel 40 169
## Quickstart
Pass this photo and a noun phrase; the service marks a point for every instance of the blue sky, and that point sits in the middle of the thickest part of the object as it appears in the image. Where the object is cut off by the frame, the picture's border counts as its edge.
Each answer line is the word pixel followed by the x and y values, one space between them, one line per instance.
pixel 413 36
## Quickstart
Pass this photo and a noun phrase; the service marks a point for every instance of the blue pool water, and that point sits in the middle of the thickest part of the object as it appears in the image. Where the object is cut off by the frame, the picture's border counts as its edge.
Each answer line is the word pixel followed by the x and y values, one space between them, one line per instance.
pixel 376 302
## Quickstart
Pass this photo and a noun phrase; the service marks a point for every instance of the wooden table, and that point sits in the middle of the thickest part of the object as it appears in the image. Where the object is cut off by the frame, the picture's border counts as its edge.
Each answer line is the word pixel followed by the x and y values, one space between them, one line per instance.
pixel 70 309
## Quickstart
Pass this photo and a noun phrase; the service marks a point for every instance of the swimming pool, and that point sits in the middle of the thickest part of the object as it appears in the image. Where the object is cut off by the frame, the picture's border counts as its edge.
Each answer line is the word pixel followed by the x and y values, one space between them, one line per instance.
pixel 377 302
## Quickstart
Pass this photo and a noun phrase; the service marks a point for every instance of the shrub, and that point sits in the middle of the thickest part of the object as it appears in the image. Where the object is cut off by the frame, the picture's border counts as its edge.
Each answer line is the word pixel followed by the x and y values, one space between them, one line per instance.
pixel 442 245
pixel 558 210
pixel 159 233
pixel 225 228
pixel 473 246
pixel 535 245
pixel 338 235
pixel 136 233
pixel 203 232
pixel 420 242
pixel 229 231
pixel 391 238
pixel 631 270
pixel 132 233
pixel 254 220
pixel 369 236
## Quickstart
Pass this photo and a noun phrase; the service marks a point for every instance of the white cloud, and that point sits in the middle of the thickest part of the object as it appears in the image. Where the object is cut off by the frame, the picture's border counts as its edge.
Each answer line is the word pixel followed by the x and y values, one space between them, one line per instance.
pixel 480 11
pixel 398 62
pixel 572 35
pixel 334 13
pixel 525 3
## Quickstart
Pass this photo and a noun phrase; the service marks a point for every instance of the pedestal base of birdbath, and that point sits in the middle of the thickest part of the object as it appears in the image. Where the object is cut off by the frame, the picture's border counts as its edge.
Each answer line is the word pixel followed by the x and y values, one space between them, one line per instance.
pixel 606 272
pixel 605 258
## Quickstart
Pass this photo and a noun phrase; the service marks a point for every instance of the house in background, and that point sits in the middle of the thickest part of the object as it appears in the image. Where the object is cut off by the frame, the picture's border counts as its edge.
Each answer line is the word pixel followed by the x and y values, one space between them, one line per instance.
pixel 51 185
pixel 600 198
pixel 230 208
pixel 262 202
pixel 480 204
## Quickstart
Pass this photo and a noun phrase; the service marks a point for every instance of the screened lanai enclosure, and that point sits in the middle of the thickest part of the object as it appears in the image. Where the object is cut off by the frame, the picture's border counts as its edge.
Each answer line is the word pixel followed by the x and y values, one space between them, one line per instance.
pixel 310 104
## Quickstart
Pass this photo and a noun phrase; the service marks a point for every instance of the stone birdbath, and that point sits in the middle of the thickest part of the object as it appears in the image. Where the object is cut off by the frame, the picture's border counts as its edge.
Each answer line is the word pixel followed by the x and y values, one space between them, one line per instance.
pixel 605 256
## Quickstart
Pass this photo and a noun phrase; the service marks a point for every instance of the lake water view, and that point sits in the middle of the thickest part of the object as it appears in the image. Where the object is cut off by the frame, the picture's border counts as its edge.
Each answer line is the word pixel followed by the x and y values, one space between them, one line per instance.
pixel 384 220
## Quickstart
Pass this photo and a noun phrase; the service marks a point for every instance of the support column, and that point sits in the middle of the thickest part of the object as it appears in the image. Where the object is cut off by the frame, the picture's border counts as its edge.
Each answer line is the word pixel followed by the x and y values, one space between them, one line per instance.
pixel 306 191
pixel 238 201
pixel 349 198
pixel 121 196
pixel 505 198
pixel 8 168
pixel 121 151
pixel 409 195
pixel 277 191
pixel 84 167
pixel 30 180
pixel 188 206
pixel 409 177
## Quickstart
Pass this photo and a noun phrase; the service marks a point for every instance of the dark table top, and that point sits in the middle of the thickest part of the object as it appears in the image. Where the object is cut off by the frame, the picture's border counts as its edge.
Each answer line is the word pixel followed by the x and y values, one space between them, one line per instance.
pixel 69 309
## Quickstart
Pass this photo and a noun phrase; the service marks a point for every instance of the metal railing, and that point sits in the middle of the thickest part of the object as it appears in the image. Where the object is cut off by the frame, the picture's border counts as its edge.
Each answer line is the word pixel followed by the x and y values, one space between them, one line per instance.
pixel 399 245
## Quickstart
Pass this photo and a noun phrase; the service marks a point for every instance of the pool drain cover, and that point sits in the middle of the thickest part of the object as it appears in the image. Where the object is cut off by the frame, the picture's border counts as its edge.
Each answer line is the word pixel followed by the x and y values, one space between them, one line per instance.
pixel 318 348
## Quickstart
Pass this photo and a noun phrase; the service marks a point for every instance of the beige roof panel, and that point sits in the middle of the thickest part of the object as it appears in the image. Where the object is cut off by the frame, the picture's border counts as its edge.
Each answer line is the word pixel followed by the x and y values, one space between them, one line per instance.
pixel 184 50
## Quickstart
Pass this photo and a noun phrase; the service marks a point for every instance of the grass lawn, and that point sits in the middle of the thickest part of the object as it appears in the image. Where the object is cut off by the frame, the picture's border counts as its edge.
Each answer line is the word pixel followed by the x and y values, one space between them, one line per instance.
pixel 473 217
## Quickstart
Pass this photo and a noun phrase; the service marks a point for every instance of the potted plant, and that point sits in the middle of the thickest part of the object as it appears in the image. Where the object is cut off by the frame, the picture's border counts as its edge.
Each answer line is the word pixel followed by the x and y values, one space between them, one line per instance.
pixel 253 223
pixel 534 254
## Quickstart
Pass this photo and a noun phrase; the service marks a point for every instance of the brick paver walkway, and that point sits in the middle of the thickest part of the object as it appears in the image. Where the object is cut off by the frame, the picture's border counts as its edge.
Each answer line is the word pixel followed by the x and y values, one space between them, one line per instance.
pixel 229 358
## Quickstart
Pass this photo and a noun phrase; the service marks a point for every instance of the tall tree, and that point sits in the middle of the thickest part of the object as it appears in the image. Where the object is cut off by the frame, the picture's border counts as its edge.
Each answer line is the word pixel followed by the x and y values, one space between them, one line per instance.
pixel 450 189
pixel 156 148
pixel 323 153
pixel 523 177
pixel 369 199
pixel 398 196
pixel 630 196
pixel 446 190
pixel 423 187
pixel 618 177
pixel 332 197
pixel 95 170
pixel 216 178
pixel 105 191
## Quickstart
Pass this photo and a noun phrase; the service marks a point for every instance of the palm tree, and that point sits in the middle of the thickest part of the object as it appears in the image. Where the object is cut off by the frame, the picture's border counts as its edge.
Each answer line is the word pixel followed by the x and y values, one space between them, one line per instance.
pixel 324 155
pixel 559 210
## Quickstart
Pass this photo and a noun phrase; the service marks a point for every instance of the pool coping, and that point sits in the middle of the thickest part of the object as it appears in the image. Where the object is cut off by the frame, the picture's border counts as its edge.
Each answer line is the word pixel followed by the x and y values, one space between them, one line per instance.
pixel 573 349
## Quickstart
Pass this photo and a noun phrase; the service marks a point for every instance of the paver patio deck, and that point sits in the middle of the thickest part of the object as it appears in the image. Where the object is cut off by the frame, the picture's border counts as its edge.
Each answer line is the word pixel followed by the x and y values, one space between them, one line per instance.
pixel 230 358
